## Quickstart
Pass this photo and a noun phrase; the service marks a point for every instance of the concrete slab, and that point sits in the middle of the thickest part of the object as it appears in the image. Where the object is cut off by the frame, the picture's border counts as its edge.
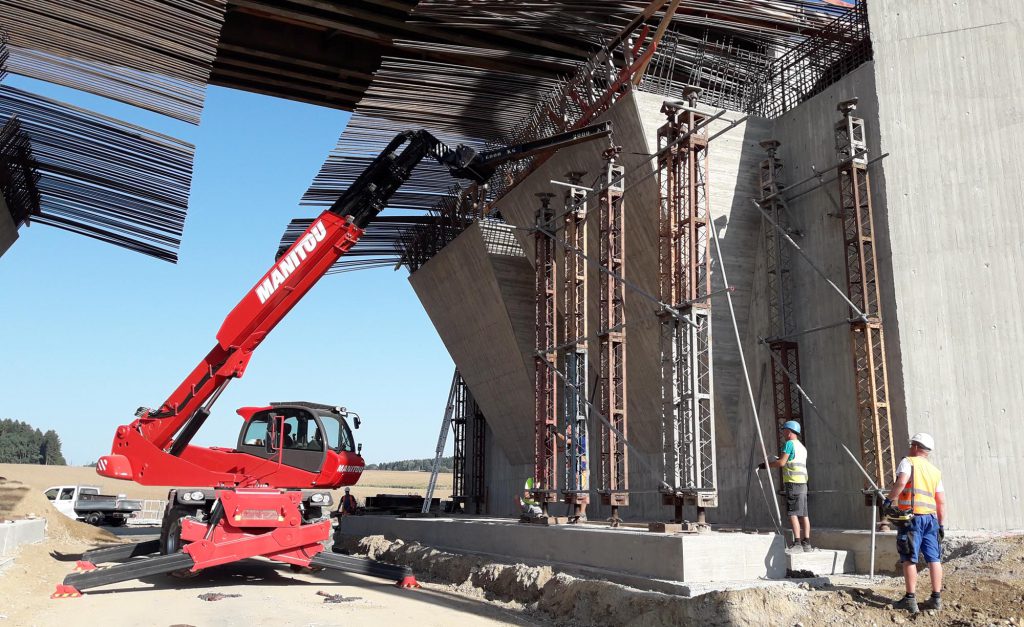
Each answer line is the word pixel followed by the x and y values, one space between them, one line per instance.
pixel 858 544
pixel 682 558
pixel 14 533
pixel 823 562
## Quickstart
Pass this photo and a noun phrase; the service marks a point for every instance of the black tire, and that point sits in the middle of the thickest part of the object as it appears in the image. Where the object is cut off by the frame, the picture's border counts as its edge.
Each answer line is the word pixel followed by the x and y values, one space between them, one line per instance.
pixel 118 521
pixel 94 518
pixel 170 537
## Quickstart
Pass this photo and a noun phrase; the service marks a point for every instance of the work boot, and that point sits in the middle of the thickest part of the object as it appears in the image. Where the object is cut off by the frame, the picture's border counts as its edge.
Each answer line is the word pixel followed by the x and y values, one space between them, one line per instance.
pixel 908 603
pixel 807 546
pixel 933 603
pixel 793 550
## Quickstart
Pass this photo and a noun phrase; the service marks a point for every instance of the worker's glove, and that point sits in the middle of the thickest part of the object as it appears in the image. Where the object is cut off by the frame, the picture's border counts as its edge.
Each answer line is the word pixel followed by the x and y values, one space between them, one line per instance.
pixel 886 504
pixel 942 533
pixel 762 466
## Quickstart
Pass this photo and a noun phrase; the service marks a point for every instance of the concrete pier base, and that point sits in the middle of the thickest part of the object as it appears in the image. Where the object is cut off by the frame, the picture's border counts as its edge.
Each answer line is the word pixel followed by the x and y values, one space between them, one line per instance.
pixel 680 558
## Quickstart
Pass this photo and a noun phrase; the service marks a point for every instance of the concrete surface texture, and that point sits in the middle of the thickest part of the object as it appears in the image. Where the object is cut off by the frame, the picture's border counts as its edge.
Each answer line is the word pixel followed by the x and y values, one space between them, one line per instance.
pixel 686 558
pixel 8 230
pixel 949 78
pixel 948 245
pixel 15 533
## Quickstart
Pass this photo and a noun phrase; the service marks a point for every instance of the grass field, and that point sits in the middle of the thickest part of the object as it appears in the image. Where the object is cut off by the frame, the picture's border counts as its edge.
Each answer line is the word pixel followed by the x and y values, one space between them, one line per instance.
pixel 371 483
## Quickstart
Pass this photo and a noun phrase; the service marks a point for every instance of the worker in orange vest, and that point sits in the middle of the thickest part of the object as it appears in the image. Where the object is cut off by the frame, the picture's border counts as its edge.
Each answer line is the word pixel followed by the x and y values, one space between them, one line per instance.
pixel 920 512
pixel 348 504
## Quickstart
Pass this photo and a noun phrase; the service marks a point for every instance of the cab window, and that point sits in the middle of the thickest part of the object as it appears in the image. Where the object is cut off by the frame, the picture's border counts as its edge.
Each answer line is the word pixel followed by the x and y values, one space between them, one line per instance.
pixel 52 494
pixel 339 437
pixel 66 494
pixel 256 432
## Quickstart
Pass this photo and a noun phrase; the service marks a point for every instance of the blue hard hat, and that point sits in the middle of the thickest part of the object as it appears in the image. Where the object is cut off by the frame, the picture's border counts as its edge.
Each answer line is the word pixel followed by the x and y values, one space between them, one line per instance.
pixel 793 426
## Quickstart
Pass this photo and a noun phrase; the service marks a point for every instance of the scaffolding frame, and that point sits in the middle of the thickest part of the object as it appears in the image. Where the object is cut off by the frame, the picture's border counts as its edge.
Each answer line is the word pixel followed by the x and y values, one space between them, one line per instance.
pixel 684 260
pixel 866 331
pixel 611 338
pixel 546 406
pixel 576 491
pixel 785 370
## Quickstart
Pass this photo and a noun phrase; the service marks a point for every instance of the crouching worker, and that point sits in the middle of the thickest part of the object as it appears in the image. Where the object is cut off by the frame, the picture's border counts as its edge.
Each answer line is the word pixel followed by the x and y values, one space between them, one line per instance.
pixel 528 506
pixel 793 462
pixel 919 514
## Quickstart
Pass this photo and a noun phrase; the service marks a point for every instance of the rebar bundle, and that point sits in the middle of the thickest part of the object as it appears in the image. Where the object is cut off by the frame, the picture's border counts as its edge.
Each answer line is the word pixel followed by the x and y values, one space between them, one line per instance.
pixel 154 54
pixel 104 178
pixel 19 173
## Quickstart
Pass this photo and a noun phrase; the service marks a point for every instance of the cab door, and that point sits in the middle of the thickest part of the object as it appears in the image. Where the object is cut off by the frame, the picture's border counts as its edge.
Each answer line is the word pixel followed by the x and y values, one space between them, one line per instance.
pixel 303 441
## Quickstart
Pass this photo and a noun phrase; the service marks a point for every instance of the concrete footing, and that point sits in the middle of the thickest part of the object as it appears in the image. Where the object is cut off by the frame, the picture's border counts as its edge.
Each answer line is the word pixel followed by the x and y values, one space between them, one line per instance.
pixel 680 558
pixel 14 533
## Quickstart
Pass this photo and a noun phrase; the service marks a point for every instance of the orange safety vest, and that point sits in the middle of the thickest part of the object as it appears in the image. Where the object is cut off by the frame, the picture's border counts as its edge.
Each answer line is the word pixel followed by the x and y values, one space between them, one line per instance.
pixel 919 494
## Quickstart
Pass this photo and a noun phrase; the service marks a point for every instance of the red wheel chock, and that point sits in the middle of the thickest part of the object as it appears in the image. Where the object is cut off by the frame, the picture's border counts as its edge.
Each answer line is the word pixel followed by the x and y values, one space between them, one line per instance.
pixel 84 566
pixel 65 592
pixel 407 582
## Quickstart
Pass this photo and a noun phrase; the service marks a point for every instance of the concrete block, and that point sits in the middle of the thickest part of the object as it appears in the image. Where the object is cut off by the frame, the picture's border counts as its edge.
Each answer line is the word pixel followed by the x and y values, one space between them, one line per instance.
pixel 858 544
pixel 706 557
pixel 823 562
pixel 15 533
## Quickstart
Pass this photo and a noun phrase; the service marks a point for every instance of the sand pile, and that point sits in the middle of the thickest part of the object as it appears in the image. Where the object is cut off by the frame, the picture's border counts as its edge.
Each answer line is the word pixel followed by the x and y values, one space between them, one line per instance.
pixel 18 500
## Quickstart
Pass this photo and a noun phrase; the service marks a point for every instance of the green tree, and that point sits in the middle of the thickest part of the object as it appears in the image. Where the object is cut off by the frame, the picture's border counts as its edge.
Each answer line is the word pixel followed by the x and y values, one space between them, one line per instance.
pixel 49 450
pixel 20 443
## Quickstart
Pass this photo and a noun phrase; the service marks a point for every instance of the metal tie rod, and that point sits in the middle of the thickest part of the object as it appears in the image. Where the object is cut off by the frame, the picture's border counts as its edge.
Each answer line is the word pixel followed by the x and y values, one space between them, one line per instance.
pixel 743 363
pixel 860 314
pixel 821 418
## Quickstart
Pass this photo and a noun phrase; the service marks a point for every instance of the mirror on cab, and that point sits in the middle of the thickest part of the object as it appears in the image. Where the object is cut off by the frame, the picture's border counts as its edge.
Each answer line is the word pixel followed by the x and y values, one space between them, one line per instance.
pixel 274 429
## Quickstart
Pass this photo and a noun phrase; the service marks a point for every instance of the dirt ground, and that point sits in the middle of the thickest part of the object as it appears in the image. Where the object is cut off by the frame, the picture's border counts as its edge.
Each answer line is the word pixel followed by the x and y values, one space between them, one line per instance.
pixel 266 592
pixel 372 482
pixel 984 586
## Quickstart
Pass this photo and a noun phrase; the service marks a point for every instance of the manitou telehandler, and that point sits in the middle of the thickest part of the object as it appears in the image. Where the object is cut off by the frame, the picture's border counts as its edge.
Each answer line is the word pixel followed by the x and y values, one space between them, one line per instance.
pixel 265 496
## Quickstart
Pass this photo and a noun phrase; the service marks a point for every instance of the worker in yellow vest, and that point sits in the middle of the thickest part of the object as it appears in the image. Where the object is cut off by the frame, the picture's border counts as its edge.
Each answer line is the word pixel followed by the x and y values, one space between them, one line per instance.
pixel 921 512
pixel 793 462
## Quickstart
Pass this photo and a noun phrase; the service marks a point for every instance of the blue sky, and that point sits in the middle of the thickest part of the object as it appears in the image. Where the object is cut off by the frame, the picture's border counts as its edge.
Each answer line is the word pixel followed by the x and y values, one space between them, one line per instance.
pixel 89 332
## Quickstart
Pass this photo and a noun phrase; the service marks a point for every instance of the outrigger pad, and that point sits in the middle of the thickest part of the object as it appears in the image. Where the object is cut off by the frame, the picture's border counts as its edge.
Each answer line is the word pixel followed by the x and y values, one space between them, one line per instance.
pixel 65 592
pixel 402 575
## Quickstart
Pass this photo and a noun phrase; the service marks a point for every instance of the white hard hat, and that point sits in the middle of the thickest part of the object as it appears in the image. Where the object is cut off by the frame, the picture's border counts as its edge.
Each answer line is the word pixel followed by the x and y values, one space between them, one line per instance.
pixel 346 490
pixel 924 440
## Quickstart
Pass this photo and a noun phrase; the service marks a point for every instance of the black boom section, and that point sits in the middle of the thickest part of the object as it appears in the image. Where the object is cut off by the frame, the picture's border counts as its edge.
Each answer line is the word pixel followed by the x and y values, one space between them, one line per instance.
pixel 121 552
pixel 360 566
pixel 129 570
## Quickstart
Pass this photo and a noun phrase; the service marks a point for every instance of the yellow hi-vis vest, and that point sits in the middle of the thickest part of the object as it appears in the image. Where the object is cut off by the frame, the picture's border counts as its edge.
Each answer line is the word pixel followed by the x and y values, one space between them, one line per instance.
pixel 795 470
pixel 919 495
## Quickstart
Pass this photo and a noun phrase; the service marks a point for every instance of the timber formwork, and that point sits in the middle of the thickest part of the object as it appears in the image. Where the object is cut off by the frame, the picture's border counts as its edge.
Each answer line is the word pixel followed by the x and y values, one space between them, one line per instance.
pixel 611 338
pixel 787 404
pixel 688 436
pixel 866 331
pixel 576 490
pixel 546 384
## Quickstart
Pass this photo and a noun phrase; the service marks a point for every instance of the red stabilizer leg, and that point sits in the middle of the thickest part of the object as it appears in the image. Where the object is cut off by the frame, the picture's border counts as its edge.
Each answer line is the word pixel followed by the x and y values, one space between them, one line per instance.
pixel 83 566
pixel 65 592
pixel 408 582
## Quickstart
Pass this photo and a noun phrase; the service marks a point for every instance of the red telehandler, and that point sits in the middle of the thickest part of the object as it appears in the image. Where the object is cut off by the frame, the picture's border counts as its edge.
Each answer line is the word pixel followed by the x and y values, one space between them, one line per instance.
pixel 265 496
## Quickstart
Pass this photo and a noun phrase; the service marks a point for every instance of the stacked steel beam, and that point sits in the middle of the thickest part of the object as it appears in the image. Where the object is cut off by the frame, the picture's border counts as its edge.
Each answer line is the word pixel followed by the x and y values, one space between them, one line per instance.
pixel 19 173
